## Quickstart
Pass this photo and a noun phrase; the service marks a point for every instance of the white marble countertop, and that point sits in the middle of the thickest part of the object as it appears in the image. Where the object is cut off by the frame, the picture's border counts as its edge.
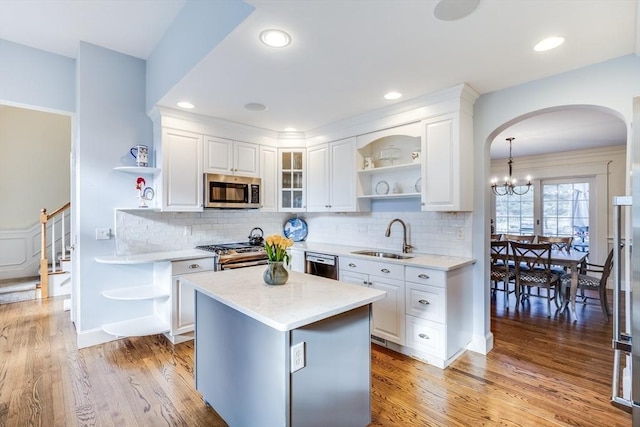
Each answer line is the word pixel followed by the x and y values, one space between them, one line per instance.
pixel 303 300
pixel 437 262
pixel 178 255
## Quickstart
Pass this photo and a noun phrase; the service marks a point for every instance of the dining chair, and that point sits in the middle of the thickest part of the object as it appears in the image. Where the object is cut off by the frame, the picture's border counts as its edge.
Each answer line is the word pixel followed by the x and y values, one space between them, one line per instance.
pixel 519 238
pixel 538 254
pixel 592 277
pixel 558 243
pixel 496 237
pixel 501 271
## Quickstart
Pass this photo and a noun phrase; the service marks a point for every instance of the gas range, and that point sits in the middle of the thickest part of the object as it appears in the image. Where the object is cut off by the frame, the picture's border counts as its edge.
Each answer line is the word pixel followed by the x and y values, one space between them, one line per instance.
pixel 237 255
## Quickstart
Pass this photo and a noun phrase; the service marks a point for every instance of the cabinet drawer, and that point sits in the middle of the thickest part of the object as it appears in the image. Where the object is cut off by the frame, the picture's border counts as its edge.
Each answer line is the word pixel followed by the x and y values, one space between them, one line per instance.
pixel 426 276
pixel 192 266
pixel 425 302
pixel 427 336
pixel 388 270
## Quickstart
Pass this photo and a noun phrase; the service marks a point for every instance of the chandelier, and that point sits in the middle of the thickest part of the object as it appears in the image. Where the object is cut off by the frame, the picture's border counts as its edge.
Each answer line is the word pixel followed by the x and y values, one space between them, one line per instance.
pixel 508 188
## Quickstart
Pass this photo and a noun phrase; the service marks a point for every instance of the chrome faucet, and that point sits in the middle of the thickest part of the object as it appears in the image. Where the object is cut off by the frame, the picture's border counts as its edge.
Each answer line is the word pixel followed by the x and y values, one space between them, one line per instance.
pixel 405 246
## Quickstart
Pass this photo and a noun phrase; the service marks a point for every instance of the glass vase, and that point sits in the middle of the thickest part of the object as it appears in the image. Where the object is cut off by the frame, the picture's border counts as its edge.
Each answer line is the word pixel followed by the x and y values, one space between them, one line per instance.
pixel 276 273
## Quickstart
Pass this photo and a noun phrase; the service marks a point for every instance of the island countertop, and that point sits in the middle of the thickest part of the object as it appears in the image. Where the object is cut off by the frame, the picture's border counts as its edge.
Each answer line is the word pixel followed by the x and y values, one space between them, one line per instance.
pixel 303 300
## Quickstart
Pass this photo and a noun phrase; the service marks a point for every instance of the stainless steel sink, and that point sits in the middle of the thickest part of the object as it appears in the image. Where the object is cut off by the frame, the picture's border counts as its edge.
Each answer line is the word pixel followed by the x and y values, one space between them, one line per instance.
pixel 383 254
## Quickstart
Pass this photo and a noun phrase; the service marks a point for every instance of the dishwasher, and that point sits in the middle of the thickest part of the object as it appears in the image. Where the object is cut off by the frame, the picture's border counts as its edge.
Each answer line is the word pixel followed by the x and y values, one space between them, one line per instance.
pixel 322 265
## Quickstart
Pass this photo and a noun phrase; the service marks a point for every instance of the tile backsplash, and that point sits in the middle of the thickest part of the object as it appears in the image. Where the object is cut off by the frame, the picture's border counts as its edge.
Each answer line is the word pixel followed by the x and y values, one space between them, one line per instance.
pixel 441 233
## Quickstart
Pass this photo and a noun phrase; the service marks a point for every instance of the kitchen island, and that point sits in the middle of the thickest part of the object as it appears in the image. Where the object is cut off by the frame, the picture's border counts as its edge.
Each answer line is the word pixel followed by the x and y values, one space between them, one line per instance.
pixel 251 339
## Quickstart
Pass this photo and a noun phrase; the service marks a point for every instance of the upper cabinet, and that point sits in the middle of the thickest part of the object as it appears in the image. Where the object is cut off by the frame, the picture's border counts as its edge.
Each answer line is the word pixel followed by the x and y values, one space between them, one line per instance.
pixel 389 163
pixel 447 167
pixel 269 175
pixel 291 180
pixel 228 157
pixel 331 178
pixel 180 154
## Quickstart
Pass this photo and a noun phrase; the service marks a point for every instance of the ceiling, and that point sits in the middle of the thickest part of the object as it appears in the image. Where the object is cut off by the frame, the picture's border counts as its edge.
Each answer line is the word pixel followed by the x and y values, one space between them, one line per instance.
pixel 346 54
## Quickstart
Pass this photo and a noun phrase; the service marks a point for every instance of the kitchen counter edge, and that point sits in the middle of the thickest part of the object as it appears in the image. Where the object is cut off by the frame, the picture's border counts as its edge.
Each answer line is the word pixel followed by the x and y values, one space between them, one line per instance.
pixel 178 255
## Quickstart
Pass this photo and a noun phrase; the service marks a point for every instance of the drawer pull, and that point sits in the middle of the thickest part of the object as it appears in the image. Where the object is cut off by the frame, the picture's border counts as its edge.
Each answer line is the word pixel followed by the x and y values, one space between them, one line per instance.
pixel 424 336
pixel 352 265
pixel 423 276
pixel 385 270
pixel 424 302
pixel 192 266
pixel 364 282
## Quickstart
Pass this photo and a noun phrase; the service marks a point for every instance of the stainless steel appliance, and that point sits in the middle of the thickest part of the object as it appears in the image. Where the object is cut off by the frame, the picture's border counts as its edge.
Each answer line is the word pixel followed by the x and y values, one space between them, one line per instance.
pixel 230 191
pixel 626 322
pixel 237 255
pixel 321 265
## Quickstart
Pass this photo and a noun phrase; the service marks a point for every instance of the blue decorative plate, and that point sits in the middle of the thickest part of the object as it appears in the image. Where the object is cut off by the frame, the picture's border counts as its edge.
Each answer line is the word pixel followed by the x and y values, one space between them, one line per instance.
pixel 295 229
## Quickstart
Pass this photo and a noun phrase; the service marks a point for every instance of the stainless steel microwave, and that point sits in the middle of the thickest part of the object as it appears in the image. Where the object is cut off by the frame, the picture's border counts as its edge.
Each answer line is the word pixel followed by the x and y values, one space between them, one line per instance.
pixel 230 191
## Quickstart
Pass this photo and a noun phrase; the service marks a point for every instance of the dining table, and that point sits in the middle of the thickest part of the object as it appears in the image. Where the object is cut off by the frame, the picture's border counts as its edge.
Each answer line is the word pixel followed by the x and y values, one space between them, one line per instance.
pixel 571 260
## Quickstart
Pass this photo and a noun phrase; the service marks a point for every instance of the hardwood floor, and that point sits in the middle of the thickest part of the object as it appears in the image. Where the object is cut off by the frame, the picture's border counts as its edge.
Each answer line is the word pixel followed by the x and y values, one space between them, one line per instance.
pixel 542 372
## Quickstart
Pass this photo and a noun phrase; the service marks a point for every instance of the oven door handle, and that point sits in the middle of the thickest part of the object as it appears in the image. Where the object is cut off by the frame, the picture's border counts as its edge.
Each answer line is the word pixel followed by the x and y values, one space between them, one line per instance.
pixel 234 265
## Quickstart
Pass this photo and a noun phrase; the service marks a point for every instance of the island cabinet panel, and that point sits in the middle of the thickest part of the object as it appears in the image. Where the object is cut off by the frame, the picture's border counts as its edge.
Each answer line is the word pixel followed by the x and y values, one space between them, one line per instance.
pixel 243 368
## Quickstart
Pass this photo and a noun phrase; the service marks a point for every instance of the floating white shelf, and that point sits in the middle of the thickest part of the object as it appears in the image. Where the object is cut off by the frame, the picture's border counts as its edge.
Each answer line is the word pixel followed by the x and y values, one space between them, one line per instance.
pixel 137 170
pixel 137 327
pixel 405 166
pixel 136 293
pixel 390 196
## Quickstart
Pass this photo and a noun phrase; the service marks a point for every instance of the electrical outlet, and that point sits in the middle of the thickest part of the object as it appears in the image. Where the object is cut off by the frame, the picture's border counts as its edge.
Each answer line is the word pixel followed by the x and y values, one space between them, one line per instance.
pixel 103 233
pixel 460 234
pixel 297 357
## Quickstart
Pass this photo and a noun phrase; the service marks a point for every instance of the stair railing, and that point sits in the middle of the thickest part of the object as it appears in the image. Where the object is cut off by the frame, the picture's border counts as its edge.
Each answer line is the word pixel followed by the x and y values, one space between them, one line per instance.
pixel 44 262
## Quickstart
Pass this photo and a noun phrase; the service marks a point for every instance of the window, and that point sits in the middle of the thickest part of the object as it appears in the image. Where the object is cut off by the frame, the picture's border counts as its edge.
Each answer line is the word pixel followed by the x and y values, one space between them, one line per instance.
pixel 565 211
pixel 514 214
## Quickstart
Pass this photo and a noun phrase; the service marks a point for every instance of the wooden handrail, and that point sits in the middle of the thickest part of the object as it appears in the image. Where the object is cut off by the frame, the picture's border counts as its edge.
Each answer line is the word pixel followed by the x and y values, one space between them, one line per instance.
pixel 44 262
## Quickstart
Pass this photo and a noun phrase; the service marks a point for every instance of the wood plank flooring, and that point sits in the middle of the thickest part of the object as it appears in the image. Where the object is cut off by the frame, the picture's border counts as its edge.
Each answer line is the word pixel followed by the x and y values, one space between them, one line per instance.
pixel 542 372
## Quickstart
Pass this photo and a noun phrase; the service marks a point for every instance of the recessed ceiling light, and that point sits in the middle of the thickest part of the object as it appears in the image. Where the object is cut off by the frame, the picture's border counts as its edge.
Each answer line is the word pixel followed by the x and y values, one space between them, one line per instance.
pixel 452 10
pixel 255 106
pixel 275 38
pixel 393 95
pixel 548 44
pixel 183 104
pixel 290 129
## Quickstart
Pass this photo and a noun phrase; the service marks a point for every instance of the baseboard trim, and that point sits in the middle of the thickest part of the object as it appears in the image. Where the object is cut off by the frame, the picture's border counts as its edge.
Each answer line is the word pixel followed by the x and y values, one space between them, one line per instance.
pixel 94 337
pixel 481 344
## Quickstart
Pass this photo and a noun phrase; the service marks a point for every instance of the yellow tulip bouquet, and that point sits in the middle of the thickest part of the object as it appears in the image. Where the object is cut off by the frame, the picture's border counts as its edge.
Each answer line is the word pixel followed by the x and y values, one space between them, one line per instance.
pixel 276 247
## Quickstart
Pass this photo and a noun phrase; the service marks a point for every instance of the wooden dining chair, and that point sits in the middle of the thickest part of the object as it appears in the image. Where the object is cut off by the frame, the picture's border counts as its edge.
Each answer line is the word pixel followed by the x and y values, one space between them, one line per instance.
pixel 501 271
pixel 538 254
pixel 592 277
pixel 558 243
pixel 496 237
pixel 519 238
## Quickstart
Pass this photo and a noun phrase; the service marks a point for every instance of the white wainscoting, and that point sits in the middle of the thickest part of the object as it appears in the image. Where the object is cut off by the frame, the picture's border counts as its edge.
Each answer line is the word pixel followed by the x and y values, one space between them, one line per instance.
pixel 20 249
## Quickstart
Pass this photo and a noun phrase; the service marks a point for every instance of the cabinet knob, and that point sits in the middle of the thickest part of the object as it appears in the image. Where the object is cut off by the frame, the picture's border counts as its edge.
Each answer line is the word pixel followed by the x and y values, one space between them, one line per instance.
pixel 352 264
pixel 192 266
pixel 424 302
pixel 424 336
pixel 364 282
pixel 423 276
pixel 370 283
pixel 385 270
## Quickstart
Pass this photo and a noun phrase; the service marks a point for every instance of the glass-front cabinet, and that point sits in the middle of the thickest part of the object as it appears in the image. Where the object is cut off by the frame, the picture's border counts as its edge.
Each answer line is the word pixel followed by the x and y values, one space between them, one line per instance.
pixel 291 195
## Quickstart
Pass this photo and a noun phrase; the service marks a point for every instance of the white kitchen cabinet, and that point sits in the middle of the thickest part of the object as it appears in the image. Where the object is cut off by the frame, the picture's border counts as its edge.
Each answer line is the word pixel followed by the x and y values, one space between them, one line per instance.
pixel 331 178
pixel 297 260
pixel 438 313
pixel 183 295
pixel 447 167
pixel 180 154
pixel 389 163
pixel 269 175
pixel 388 314
pixel 228 157
pixel 292 180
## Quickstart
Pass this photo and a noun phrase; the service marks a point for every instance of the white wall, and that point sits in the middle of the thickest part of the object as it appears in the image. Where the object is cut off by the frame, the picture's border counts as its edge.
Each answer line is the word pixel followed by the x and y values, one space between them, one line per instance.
pixel 610 85
pixel 34 165
pixel 32 77
pixel 111 118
